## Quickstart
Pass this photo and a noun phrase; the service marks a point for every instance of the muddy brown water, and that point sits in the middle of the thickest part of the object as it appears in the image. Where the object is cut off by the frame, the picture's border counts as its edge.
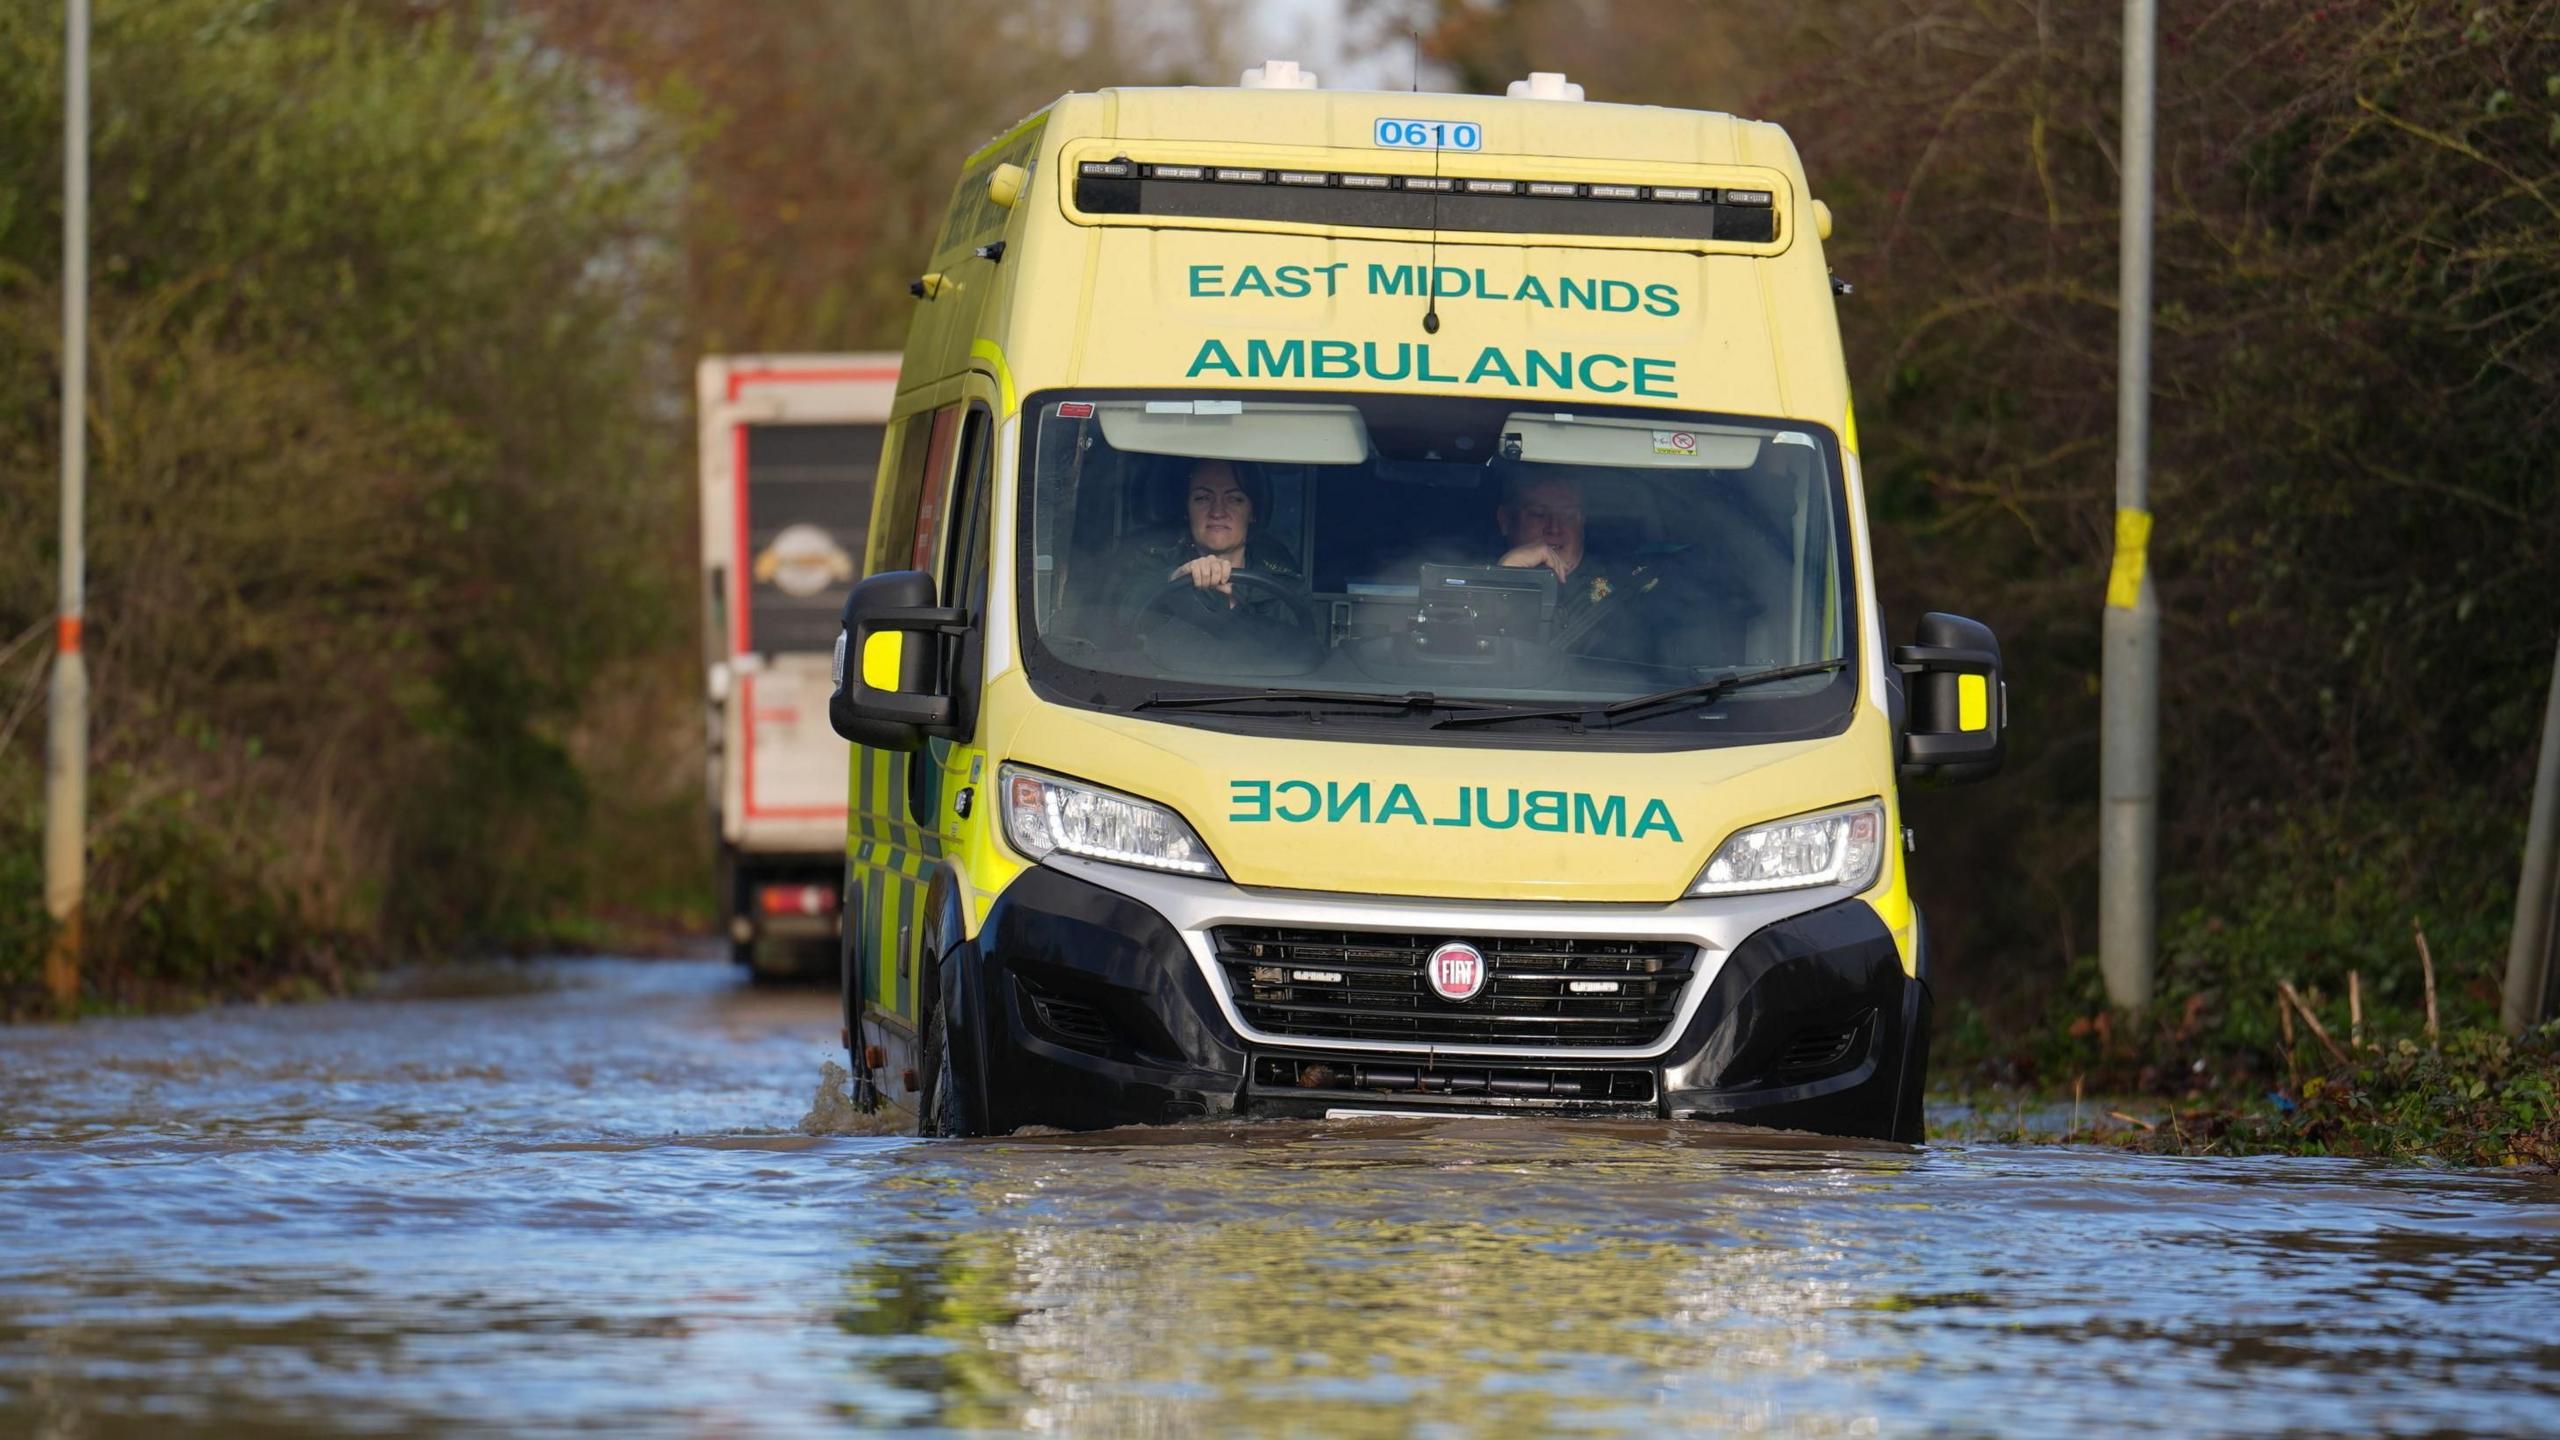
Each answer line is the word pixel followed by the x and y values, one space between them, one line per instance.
pixel 578 1198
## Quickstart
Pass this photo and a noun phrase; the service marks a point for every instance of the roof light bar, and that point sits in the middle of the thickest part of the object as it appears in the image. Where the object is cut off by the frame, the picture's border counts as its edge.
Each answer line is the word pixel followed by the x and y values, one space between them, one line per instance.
pixel 1120 186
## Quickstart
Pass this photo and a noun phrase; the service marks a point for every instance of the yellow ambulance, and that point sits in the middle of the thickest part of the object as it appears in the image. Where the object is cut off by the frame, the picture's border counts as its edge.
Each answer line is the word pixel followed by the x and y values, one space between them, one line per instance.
pixel 1368 607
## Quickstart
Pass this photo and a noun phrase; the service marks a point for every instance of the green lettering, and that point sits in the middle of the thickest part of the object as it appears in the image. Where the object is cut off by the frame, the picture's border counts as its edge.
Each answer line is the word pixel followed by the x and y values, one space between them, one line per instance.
pixel 1249 800
pixel 1396 280
pixel 1661 299
pixel 1657 816
pixel 1546 810
pixel 1338 801
pixel 1369 361
pixel 1212 356
pixel 1590 817
pixel 1617 296
pixel 1533 288
pixel 1571 292
pixel 1284 812
pixel 1559 370
pixel 1332 274
pixel 1206 276
pixel 1447 288
pixel 1400 801
pixel 1335 359
pixel 1293 281
pixel 1466 810
pixel 1484 810
pixel 1289 362
pixel 1249 281
pixel 1653 377
pixel 1589 361
pixel 1492 360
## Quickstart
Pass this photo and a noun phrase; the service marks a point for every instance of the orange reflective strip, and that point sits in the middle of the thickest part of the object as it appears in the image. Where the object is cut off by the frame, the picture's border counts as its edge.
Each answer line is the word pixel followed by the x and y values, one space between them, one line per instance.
pixel 66 635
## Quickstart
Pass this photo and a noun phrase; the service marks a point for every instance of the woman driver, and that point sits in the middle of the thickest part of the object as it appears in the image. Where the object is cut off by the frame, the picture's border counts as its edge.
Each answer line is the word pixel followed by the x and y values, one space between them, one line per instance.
pixel 1218 541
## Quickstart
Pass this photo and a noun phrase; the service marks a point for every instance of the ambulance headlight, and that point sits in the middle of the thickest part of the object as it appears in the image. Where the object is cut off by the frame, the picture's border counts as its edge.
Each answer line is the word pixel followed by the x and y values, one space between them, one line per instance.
pixel 1043 813
pixel 1830 847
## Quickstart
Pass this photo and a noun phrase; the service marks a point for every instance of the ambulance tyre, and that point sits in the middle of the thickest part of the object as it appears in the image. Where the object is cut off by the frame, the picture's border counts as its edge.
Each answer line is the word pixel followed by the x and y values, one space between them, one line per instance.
pixel 848 989
pixel 942 1109
pixel 1910 1104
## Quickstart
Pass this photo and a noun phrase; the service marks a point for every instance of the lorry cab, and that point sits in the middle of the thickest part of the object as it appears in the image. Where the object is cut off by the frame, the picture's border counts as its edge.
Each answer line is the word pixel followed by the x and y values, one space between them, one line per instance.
pixel 1368 607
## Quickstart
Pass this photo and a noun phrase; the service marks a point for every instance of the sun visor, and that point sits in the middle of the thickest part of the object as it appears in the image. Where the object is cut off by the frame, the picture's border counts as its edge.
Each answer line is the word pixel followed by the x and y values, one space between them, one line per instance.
pixel 1563 439
pixel 1237 430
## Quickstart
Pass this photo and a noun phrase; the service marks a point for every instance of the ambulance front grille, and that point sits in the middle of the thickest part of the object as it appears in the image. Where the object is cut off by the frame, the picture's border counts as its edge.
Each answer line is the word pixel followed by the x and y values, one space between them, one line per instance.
pixel 1369 986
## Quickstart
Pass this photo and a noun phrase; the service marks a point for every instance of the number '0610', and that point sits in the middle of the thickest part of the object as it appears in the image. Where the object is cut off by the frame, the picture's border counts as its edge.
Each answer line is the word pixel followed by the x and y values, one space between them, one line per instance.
pixel 1430 134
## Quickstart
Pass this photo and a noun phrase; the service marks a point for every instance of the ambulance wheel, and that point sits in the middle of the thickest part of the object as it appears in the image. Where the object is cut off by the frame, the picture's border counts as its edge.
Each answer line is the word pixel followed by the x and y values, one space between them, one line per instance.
pixel 848 991
pixel 942 1109
pixel 1911 1099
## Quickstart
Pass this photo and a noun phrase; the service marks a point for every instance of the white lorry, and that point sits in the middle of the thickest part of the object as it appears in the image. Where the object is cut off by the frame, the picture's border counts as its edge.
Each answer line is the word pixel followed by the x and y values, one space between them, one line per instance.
pixel 790 445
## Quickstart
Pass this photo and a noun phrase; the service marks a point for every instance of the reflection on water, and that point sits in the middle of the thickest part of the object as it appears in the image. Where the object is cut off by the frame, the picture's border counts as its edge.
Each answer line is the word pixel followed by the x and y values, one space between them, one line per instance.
pixel 587 1203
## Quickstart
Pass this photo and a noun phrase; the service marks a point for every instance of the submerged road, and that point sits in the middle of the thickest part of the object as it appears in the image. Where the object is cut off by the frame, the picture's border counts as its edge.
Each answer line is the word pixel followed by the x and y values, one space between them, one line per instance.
pixel 579 1196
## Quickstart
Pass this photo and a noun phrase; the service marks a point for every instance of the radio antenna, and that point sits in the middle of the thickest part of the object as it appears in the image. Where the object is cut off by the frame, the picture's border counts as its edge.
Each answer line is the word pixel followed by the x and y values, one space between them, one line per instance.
pixel 1431 270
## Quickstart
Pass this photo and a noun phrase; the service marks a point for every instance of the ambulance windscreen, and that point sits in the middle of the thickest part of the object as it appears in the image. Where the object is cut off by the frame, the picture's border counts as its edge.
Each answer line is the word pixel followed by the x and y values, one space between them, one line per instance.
pixel 1236 559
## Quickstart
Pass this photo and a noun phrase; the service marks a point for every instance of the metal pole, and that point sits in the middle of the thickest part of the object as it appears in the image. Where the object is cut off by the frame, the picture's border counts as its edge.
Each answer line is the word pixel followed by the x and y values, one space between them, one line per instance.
pixel 66 755
pixel 2532 995
pixel 2129 740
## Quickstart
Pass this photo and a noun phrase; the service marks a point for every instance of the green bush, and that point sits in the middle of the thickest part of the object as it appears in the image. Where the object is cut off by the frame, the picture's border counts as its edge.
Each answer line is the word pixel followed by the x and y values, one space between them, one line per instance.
pixel 382 462
pixel 2481 1099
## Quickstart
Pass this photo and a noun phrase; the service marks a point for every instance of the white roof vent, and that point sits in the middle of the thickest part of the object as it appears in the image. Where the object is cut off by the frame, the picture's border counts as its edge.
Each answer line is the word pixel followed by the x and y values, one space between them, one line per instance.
pixel 1279 75
pixel 1544 85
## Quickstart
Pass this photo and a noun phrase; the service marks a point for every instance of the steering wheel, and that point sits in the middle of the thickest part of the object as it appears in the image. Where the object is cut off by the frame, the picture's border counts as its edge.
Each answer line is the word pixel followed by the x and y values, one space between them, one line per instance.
pixel 1301 606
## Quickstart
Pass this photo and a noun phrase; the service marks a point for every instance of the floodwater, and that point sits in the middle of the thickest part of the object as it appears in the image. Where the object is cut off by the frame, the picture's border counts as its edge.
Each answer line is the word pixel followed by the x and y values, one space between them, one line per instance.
pixel 579 1198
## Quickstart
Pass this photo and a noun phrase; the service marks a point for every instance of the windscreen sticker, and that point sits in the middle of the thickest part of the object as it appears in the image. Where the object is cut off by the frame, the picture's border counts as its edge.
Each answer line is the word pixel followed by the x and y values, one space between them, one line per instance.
pixel 1475 807
pixel 1675 442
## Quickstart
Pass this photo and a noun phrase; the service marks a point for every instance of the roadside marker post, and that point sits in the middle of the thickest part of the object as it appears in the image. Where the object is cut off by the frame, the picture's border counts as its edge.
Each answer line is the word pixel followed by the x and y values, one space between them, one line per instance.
pixel 66 754
pixel 2533 946
pixel 2129 676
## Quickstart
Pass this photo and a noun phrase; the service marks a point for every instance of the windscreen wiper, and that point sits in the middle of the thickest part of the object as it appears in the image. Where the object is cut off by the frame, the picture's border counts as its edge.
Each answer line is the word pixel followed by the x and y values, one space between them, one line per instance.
pixel 1601 717
pixel 1209 699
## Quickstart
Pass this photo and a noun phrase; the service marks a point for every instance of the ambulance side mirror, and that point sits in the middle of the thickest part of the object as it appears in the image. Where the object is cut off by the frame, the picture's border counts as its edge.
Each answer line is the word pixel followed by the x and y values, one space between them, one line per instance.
pixel 893 663
pixel 1956 711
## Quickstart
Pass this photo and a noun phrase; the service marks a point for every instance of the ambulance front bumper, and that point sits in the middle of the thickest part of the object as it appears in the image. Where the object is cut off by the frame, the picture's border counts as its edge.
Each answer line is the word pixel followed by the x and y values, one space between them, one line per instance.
pixel 1098 997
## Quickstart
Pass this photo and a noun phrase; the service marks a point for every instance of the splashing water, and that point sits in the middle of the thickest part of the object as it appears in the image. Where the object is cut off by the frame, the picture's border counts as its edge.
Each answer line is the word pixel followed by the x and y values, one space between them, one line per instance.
pixel 832 1110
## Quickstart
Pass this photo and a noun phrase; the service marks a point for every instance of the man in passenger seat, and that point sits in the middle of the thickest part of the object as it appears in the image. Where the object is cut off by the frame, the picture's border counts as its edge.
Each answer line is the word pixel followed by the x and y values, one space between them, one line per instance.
pixel 1542 523
pixel 1600 595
